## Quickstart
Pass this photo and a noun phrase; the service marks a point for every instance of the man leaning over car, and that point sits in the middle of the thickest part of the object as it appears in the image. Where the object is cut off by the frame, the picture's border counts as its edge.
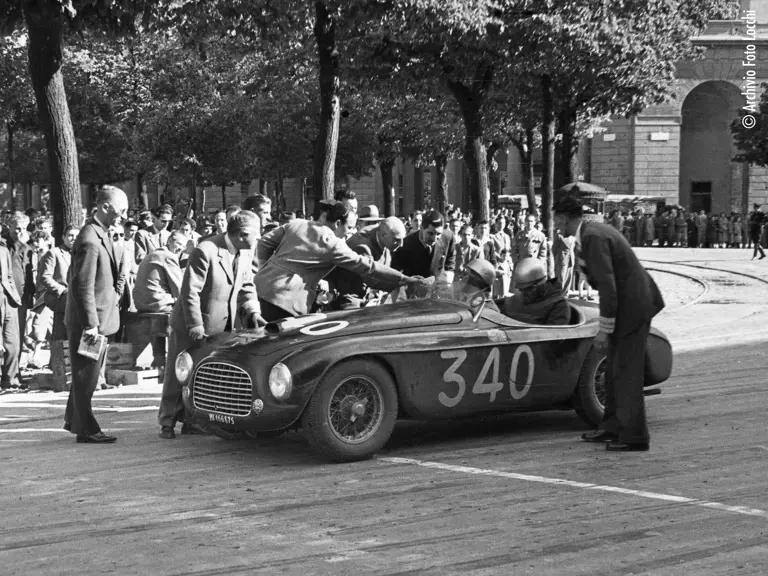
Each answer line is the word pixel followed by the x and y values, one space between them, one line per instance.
pixel 295 257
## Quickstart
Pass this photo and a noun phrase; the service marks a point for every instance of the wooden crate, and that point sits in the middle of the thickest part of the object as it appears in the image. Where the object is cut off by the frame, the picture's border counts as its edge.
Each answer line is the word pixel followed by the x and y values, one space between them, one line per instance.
pixel 120 377
pixel 60 364
pixel 120 355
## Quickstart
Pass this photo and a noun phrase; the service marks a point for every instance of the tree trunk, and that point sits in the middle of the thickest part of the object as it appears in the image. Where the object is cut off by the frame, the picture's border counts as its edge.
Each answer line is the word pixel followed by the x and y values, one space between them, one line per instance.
pixel 441 194
pixel 528 175
pixel 44 21
pixel 568 165
pixel 330 103
pixel 304 197
pixel 471 101
pixel 548 155
pixel 387 181
pixel 11 175
pixel 141 191
pixel 279 193
pixel 223 196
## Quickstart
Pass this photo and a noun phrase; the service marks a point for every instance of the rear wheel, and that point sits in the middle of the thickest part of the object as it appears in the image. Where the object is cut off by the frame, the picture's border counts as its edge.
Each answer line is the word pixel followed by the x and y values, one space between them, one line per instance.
pixel 352 412
pixel 589 398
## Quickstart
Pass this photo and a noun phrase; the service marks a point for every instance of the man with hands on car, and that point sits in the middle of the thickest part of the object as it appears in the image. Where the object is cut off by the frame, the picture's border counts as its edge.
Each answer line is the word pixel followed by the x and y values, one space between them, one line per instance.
pixel 295 257
pixel 218 280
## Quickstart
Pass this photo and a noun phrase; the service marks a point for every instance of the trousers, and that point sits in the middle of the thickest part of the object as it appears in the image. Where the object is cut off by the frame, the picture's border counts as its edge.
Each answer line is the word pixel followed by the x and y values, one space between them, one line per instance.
pixel 625 402
pixel 79 418
pixel 11 342
pixel 171 404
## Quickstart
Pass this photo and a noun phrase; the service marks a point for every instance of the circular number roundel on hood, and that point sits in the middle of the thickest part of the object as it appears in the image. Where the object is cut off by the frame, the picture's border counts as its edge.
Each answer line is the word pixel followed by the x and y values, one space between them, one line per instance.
pixel 324 328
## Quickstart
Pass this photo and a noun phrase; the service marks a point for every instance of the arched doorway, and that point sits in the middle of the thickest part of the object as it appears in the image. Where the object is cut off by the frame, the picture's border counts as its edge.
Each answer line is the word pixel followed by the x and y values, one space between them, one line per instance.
pixel 709 180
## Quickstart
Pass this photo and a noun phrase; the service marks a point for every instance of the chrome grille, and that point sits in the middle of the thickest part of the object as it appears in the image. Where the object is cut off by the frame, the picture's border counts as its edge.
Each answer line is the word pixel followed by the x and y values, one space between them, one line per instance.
pixel 222 388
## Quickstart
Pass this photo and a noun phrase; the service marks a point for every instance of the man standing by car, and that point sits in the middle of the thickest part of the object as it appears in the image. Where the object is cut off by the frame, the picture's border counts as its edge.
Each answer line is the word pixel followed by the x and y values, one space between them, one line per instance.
pixel 428 252
pixel 217 282
pixel 378 242
pixel 629 299
pixel 93 308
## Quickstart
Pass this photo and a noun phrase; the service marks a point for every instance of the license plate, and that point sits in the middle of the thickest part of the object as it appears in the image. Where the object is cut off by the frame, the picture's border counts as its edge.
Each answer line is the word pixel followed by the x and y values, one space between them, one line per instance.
pixel 221 418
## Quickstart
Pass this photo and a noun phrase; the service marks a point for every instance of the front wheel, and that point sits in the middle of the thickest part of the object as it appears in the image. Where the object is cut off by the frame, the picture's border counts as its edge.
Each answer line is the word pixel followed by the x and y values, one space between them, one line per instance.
pixel 352 412
pixel 589 398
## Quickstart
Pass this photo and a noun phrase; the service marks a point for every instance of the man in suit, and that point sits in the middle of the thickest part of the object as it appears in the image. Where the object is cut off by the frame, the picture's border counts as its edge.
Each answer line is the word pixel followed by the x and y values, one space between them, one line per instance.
pixel 92 308
pixel 466 252
pixel 295 257
pixel 378 242
pixel 23 262
pixel 155 236
pixel 428 252
pixel 629 299
pixel 9 302
pixel 530 243
pixel 218 281
pixel 54 282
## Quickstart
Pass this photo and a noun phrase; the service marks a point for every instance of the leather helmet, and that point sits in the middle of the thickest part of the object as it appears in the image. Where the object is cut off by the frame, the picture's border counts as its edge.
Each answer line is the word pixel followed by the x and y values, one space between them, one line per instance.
pixel 529 272
pixel 484 270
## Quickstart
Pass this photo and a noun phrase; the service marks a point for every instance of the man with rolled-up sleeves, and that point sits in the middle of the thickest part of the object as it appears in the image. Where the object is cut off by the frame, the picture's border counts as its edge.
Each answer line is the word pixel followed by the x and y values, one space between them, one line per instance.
pixel 629 299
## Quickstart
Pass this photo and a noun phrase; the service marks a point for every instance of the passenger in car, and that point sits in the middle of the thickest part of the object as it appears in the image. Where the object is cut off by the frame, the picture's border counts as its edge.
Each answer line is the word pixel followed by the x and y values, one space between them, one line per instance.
pixel 477 280
pixel 538 300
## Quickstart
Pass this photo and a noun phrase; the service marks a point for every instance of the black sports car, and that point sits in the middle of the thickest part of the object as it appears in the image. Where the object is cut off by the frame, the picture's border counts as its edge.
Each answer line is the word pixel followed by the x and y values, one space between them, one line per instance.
pixel 345 377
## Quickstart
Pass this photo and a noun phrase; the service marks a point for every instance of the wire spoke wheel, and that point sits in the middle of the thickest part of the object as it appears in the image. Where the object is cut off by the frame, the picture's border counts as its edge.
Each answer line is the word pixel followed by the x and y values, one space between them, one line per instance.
pixel 355 410
pixel 601 374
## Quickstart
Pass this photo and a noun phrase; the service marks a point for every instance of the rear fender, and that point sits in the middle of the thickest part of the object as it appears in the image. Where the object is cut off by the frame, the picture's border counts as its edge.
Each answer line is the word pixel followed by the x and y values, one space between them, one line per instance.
pixel 658 358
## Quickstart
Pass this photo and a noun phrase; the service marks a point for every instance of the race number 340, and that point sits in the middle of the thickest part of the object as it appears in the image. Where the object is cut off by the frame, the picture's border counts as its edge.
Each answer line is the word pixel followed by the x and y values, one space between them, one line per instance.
pixel 488 380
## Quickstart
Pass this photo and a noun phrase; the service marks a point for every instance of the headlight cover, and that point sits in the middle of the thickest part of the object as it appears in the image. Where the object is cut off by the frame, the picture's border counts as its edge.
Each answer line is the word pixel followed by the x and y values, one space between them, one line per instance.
pixel 183 367
pixel 280 381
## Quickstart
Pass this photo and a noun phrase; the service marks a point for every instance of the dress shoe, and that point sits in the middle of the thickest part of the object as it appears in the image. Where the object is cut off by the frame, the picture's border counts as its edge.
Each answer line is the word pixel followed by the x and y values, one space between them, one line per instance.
pixel 621 447
pixel 167 433
pixel 189 428
pixel 98 438
pixel 599 436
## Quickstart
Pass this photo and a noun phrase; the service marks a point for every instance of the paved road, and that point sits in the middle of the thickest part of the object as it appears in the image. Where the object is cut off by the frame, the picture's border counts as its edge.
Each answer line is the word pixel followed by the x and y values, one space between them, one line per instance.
pixel 507 495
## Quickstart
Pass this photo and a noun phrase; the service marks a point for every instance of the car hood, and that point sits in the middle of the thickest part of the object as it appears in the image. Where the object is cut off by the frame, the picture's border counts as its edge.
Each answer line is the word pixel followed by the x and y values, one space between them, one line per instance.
pixel 314 328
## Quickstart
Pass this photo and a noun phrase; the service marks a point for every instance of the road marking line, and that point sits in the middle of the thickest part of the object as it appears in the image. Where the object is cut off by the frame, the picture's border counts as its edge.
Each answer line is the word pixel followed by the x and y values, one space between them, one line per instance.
pixel 28 430
pixel 572 483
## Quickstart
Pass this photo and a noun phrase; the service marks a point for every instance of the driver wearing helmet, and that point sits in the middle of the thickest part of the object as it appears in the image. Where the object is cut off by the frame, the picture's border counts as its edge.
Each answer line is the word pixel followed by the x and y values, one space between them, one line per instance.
pixel 538 300
pixel 479 276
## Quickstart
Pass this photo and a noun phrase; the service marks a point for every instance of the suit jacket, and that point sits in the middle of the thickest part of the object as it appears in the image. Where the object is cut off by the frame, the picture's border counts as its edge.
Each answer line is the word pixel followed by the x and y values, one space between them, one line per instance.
pixel 531 244
pixel 92 299
pixel 212 290
pixel 23 272
pixel 158 282
pixel 10 293
pixel 465 255
pixel 346 282
pixel 147 241
pixel 629 296
pixel 293 258
pixel 52 275
pixel 415 259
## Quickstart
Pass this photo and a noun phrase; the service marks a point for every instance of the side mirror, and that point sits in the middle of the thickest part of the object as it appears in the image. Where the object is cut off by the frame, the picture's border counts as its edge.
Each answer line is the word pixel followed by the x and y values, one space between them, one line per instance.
pixel 478 301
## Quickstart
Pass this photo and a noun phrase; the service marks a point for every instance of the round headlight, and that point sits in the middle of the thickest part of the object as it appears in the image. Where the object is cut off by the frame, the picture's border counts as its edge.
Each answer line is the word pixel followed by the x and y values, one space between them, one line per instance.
pixel 183 367
pixel 280 381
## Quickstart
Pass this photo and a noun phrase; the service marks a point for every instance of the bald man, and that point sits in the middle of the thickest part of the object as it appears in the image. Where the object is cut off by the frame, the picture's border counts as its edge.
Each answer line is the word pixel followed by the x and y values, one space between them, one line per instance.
pixel 378 241
pixel 93 307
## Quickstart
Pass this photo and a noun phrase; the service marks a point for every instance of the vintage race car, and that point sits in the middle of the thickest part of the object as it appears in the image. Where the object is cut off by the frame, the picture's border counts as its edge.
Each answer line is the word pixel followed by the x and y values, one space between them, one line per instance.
pixel 346 377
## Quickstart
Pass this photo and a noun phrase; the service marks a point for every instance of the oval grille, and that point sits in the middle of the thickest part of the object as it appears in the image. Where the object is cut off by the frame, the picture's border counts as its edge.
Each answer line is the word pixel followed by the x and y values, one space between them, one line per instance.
pixel 222 388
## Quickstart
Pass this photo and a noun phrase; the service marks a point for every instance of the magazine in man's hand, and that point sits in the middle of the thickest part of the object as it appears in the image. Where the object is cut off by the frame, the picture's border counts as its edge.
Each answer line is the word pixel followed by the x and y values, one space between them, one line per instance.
pixel 92 345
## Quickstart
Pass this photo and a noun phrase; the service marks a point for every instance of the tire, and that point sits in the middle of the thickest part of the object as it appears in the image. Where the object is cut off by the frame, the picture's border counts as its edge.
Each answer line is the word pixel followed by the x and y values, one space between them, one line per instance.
pixel 361 385
pixel 590 390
